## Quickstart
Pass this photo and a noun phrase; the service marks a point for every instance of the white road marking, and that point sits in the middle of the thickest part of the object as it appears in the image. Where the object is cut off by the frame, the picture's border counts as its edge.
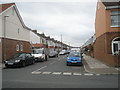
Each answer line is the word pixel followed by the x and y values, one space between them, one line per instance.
pixel 36 72
pixel 53 62
pixel 77 74
pixel 97 74
pixel 41 68
pixel 67 73
pixel 56 73
pixel 88 74
pixel 46 72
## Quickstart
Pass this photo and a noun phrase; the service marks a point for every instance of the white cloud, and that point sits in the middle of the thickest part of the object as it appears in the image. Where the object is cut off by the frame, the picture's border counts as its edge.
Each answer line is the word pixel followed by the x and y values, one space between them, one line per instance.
pixel 75 21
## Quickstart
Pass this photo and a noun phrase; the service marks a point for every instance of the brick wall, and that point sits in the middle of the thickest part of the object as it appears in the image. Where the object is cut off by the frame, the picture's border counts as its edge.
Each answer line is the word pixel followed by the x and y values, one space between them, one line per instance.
pixel 9 48
pixel 103 48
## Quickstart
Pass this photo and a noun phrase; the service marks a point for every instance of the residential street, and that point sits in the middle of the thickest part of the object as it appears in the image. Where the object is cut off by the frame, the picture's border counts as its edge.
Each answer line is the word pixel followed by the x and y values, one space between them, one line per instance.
pixel 55 74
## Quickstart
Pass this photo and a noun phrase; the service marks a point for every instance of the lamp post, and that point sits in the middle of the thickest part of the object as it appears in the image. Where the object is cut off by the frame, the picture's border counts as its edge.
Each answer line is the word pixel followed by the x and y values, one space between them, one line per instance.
pixel 4 43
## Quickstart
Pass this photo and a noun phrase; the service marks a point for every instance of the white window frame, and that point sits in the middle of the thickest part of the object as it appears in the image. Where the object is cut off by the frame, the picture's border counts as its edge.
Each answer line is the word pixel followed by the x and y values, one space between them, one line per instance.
pixel 21 47
pixel 17 47
pixel 115 42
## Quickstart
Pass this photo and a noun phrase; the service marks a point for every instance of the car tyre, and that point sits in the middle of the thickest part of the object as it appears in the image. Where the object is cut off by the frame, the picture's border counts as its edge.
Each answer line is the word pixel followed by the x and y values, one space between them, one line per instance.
pixel 46 57
pixel 23 64
pixel 33 61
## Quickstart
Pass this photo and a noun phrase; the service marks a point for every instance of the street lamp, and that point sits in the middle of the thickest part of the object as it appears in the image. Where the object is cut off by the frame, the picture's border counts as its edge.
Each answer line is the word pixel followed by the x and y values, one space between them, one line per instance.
pixel 4 41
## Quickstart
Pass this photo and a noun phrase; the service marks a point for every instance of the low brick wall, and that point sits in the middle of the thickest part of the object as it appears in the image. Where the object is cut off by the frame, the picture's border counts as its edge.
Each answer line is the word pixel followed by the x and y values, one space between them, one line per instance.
pixel 103 49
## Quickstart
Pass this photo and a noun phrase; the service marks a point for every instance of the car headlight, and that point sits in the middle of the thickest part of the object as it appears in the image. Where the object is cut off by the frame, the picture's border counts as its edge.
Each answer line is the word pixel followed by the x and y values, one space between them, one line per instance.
pixel 6 61
pixel 68 58
pixel 17 60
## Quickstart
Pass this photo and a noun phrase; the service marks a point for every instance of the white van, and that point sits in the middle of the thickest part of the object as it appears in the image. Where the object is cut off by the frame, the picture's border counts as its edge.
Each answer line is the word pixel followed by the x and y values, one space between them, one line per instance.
pixel 40 54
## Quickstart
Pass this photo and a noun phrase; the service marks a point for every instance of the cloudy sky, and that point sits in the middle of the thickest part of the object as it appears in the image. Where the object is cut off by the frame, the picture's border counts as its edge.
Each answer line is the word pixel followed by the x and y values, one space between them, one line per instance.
pixel 74 20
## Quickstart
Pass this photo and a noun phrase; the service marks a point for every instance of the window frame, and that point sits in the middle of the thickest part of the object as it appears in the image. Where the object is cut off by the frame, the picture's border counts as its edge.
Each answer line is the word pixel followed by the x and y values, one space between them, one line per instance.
pixel 21 47
pixel 115 42
pixel 114 13
pixel 17 47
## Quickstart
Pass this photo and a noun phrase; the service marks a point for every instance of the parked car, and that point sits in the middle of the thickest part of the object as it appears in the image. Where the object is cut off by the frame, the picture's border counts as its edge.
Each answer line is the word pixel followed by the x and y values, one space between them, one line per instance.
pixel 53 54
pixel 74 58
pixel 20 59
pixel 62 52
pixel 40 54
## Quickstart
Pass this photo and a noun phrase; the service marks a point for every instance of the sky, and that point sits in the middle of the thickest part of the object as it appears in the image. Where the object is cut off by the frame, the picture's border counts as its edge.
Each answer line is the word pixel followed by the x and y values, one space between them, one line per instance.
pixel 74 20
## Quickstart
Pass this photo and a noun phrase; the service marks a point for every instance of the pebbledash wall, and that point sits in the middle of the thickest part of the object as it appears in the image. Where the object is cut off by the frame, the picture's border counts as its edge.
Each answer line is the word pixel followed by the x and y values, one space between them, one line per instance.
pixel 105 33
pixel 15 36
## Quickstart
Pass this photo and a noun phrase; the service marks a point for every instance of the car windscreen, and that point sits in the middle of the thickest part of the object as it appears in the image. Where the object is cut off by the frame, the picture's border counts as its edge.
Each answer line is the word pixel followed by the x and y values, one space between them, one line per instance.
pixel 76 54
pixel 19 55
pixel 52 52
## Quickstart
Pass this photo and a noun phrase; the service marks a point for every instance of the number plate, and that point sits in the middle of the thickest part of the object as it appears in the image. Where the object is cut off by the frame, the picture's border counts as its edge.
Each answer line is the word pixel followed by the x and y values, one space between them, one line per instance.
pixel 74 62
pixel 10 63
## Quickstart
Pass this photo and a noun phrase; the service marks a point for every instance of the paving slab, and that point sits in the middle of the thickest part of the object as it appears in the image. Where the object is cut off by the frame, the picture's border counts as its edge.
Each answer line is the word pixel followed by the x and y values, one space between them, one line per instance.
pixel 95 66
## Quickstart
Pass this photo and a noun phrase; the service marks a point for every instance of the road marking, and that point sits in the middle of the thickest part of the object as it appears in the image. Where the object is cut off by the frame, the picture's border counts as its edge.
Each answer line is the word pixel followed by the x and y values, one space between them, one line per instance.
pixel 56 73
pixel 97 74
pixel 88 74
pixel 41 68
pixel 46 72
pixel 67 73
pixel 53 62
pixel 77 74
pixel 36 72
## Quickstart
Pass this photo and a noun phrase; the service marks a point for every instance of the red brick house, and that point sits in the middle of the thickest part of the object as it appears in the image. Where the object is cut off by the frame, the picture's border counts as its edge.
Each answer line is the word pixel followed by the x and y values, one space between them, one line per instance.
pixel 107 32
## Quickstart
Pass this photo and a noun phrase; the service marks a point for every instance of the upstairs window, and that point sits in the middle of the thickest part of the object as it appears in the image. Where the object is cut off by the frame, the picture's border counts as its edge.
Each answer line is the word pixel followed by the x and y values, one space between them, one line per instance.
pixel 115 21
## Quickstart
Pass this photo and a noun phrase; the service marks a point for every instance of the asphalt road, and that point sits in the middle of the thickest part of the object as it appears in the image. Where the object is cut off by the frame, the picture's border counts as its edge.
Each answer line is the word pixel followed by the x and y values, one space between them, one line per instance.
pixel 55 74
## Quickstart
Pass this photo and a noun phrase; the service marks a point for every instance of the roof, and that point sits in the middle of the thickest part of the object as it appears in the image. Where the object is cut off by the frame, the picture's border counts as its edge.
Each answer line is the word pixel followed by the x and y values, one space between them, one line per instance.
pixel 6 6
pixel 111 2
pixel 37 45
pixel 3 7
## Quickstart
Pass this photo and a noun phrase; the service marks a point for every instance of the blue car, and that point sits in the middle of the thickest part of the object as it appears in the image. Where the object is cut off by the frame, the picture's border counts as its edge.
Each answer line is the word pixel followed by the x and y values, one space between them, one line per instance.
pixel 74 58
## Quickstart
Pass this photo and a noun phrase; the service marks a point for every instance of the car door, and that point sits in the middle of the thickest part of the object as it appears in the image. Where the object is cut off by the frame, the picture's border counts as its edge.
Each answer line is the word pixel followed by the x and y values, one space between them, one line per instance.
pixel 28 61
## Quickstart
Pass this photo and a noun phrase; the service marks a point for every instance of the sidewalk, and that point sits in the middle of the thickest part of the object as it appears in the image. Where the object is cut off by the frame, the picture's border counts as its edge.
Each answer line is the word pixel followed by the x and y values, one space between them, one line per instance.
pixel 2 65
pixel 95 66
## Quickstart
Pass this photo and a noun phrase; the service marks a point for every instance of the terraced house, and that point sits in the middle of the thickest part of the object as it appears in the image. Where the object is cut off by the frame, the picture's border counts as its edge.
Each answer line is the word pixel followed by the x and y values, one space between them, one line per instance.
pixel 107 32
pixel 14 35
pixel 37 40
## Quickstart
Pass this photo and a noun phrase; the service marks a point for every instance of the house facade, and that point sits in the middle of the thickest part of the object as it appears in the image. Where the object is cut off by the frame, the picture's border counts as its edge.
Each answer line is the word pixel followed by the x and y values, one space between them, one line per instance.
pixel 14 35
pixel 107 33
pixel 37 40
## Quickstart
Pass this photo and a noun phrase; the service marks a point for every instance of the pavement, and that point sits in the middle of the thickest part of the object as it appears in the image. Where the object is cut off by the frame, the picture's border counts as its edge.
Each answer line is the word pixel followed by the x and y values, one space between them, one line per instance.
pixel 96 66
pixel 2 65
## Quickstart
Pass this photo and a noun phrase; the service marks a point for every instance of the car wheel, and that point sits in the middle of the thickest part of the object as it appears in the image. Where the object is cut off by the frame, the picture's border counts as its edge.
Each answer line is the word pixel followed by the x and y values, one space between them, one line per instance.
pixel 33 62
pixel 46 58
pixel 23 64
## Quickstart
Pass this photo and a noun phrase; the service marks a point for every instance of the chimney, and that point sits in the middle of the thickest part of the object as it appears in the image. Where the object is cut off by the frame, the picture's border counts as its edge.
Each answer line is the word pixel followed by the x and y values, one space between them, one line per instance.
pixel 35 31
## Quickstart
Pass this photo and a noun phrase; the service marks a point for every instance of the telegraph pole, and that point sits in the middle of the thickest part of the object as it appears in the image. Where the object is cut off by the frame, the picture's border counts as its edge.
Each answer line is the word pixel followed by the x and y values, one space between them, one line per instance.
pixel 61 41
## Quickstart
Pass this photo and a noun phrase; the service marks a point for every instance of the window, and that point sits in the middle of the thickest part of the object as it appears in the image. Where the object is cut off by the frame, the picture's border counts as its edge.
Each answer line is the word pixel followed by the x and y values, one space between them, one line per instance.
pixel 115 15
pixel 116 46
pixel 17 47
pixel 21 47
pixel 18 30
